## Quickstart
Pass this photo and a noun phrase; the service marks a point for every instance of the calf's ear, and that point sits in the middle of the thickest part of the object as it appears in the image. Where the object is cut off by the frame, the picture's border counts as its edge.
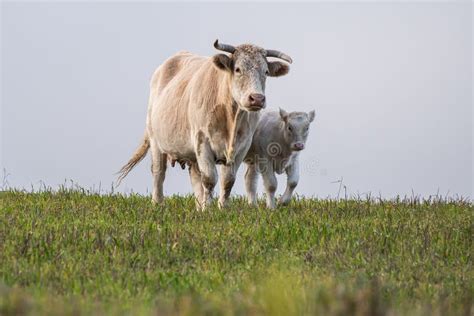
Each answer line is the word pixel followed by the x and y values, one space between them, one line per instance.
pixel 311 116
pixel 277 68
pixel 222 62
pixel 284 115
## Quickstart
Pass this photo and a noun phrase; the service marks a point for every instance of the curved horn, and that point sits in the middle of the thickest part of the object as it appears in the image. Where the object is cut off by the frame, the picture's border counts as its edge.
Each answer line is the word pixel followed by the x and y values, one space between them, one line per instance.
pixel 278 54
pixel 224 47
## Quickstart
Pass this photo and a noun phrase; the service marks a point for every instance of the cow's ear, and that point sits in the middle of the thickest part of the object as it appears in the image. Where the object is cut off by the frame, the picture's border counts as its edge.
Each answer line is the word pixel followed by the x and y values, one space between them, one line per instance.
pixel 311 116
pixel 277 68
pixel 284 115
pixel 222 62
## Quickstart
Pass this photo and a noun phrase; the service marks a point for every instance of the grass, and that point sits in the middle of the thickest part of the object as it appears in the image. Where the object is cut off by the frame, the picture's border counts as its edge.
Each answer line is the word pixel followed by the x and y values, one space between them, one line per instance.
pixel 76 252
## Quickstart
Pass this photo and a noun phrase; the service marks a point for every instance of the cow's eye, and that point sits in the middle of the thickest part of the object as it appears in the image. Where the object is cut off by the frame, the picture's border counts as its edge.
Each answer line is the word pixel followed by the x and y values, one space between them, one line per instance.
pixel 237 70
pixel 290 128
pixel 267 72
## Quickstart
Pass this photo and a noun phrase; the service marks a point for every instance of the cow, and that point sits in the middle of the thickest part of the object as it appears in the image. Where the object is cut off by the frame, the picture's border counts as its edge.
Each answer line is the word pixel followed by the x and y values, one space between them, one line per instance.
pixel 276 144
pixel 203 111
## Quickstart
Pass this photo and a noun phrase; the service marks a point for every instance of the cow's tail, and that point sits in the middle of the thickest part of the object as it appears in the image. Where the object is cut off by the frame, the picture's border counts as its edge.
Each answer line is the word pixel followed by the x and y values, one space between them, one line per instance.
pixel 138 156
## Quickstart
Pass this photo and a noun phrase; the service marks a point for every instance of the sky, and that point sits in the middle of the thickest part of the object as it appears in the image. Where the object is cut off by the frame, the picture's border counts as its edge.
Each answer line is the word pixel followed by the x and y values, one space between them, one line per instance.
pixel 391 84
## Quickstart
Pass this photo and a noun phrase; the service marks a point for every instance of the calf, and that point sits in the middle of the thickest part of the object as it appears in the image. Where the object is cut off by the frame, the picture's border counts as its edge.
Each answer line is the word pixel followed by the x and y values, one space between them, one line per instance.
pixel 276 144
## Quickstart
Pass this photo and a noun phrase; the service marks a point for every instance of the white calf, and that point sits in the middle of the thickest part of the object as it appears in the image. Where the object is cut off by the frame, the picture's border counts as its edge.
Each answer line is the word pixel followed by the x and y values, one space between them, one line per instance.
pixel 276 144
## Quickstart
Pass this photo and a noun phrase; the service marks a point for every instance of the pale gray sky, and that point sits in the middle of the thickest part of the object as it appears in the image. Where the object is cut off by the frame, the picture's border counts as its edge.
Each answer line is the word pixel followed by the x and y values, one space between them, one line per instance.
pixel 391 84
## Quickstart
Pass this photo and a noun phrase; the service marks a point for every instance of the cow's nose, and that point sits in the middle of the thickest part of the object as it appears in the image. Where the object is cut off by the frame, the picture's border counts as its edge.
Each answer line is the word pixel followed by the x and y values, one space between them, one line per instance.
pixel 256 99
pixel 298 146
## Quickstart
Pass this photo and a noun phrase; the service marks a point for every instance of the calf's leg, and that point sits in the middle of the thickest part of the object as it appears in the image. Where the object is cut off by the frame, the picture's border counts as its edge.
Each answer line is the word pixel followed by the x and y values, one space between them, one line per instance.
pixel 251 178
pixel 293 175
pixel 270 183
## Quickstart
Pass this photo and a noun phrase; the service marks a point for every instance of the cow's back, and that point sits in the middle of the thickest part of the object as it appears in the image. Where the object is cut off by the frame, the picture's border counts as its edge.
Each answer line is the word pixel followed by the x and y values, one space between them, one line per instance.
pixel 168 117
pixel 176 68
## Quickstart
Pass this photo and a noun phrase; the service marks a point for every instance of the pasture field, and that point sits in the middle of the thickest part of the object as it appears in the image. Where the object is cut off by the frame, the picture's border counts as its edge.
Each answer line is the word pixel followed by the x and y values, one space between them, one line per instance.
pixel 77 252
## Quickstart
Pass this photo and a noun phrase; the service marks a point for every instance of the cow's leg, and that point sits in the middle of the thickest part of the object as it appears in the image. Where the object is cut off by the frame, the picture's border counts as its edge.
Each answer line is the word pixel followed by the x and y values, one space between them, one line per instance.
pixel 207 166
pixel 209 181
pixel 195 176
pixel 270 183
pixel 293 175
pixel 158 169
pixel 227 182
pixel 251 178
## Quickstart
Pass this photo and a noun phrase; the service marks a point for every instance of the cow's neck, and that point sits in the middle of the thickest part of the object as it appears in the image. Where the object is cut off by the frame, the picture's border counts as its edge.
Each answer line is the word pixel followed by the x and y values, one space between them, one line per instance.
pixel 236 122
pixel 236 117
pixel 240 127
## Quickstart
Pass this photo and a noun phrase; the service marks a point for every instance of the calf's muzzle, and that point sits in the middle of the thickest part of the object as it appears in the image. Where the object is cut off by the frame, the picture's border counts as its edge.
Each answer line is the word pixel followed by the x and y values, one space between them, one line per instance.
pixel 298 146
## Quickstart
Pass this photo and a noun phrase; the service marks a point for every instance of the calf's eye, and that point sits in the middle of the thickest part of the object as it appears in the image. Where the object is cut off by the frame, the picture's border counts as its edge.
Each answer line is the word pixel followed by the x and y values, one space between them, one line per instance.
pixel 290 128
pixel 237 70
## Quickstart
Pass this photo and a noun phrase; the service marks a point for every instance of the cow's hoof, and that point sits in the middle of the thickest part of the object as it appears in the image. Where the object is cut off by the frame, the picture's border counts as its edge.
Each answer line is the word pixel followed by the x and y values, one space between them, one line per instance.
pixel 252 203
pixel 222 204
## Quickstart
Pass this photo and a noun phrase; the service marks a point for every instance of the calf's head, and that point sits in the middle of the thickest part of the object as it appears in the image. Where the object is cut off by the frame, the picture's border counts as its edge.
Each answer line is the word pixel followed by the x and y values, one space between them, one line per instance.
pixel 248 67
pixel 296 128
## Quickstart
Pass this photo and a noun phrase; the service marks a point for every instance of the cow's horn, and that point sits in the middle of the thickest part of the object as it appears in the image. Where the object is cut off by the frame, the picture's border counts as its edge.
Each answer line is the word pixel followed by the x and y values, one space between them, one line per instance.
pixel 224 47
pixel 278 54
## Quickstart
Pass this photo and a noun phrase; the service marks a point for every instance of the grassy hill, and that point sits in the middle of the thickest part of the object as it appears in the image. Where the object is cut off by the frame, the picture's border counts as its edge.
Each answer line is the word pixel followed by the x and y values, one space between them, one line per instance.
pixel 75 252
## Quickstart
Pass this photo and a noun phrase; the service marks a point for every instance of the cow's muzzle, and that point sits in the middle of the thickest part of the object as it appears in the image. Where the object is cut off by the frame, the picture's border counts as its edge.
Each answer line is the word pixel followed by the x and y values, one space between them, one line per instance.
pixel 256 102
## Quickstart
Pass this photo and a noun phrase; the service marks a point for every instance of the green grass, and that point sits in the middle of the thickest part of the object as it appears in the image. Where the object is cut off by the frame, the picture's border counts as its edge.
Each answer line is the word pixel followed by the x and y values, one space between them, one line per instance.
pixel 76 252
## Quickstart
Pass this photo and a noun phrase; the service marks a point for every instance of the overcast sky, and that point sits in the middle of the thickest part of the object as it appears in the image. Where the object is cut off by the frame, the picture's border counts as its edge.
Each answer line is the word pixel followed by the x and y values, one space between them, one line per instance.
pixel 391 85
